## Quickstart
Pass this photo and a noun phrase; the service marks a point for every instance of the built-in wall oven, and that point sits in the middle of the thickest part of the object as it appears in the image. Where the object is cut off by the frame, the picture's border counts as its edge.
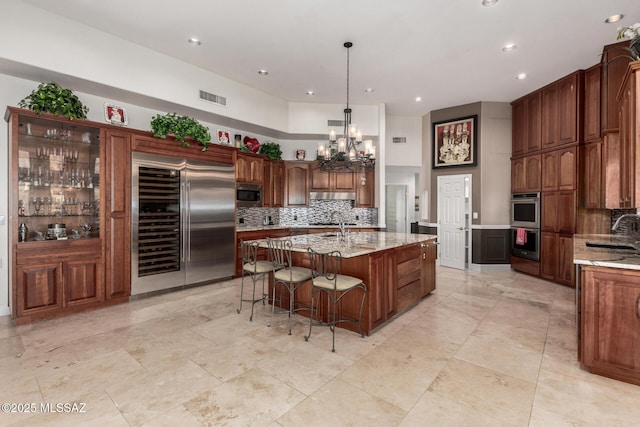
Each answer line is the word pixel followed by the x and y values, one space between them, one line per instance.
pixel 525 225
pixel 525 243
pixel 525 210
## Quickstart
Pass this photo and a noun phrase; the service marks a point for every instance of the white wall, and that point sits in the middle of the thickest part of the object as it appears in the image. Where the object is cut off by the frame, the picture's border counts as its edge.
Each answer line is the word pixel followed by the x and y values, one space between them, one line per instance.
pixel 425 170
pixel 495 161
pixel 405 176
pixel 404 154
pixel 312 118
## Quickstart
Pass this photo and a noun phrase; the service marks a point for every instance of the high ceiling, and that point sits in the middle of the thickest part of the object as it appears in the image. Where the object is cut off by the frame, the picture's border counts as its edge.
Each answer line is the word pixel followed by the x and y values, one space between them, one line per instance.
pixel 449 52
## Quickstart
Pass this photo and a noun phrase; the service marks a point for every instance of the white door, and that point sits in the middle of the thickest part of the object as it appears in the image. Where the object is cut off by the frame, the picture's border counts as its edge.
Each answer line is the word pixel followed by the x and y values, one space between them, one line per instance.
pixel 396 209
pixel 451 220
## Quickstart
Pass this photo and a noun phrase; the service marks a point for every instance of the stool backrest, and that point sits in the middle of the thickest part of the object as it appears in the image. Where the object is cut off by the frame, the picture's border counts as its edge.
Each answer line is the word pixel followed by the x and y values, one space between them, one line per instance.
pixel 280 252
pixel 324 264
pixel 249 252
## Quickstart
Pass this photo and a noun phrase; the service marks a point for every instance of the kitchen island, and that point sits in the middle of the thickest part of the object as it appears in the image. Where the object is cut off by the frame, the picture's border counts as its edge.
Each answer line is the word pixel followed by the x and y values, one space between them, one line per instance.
pixel 397 268
pixel 608 305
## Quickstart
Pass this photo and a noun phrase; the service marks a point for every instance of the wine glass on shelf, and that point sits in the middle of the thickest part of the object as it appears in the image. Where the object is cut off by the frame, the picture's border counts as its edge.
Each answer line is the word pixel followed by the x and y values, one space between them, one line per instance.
pixel 37 205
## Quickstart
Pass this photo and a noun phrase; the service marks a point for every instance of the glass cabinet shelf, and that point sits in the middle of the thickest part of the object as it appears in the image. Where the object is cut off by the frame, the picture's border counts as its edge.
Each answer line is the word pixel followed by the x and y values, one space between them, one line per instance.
pixel 58 183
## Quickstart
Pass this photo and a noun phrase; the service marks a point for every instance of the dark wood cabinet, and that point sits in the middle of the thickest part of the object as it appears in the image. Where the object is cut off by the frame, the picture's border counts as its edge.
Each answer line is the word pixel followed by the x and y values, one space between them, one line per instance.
pixel 527 124
pixel 559 170
pixel 550 130
pixel 592 176
pixel 249 168
pixel 568 104
pixel 526 174
pixel 382 298
pixel 556 258
pixel 610 322
pixel 365 194
pixel 273 184
pixel 614 65
pixel 117 201
pixel 339 180
pixel 346 182
pixel 39 289
pixel 319 180
pixel 592 90
pixel 296 188
pixel 86 276
pixel 550 171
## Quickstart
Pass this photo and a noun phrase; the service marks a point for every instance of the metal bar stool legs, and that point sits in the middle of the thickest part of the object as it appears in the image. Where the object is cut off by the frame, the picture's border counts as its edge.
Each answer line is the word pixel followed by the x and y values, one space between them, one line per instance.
pixel 256 270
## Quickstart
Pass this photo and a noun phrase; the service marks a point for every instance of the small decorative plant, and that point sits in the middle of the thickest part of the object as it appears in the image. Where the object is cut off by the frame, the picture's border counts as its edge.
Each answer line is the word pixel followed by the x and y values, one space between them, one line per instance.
pixel 633 33
pixel 271 150
pixel 180 127
pixel 55 99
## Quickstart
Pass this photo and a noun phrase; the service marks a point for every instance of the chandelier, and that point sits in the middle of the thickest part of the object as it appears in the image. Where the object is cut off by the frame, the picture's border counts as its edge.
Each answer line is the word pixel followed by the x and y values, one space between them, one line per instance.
pixel 344 154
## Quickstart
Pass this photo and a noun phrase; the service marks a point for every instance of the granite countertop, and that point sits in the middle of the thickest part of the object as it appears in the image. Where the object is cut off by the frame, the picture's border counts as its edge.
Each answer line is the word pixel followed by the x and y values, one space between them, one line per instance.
pixel 240 227
pixel 604 257
pixel 357 244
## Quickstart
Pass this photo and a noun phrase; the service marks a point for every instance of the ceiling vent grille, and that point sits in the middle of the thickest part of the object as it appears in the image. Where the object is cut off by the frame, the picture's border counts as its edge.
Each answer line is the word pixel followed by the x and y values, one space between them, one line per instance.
pixel 338 123
pixel 216 99
pixel 399 139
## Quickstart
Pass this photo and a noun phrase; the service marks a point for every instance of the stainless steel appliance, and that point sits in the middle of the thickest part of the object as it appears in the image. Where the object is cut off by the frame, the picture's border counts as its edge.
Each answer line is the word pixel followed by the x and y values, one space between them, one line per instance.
pixel 529 246
pixel 182 221
pixel 525 210
pixel 249 196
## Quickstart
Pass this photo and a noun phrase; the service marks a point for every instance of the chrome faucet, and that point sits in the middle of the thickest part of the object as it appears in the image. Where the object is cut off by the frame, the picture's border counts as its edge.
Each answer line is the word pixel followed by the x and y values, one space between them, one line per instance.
pixel 340 222
pixel 617 223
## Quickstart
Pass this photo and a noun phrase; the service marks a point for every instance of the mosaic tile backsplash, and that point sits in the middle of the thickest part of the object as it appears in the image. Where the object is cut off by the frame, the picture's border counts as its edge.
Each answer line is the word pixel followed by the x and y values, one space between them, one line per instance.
pixel 629 227
pixel 319 211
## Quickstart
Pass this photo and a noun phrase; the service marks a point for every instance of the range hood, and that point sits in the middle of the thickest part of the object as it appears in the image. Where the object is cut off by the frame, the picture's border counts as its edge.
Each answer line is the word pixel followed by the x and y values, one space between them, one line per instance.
pixel 328 195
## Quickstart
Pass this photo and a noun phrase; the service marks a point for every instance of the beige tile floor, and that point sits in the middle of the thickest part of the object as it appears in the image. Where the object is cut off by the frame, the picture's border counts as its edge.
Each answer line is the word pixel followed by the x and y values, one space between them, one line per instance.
pixel 485 349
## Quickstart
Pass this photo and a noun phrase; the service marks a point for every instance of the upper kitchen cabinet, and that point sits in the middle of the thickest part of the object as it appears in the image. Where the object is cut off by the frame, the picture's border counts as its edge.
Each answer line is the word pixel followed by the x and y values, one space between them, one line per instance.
pixel 296 184
pixel 526 113
pixel 249 168
pixel 623 169
pixel 614 65
pixel 560 106
pixel 526 174
pixel 365 193
pixel 273 184
pixel 592 89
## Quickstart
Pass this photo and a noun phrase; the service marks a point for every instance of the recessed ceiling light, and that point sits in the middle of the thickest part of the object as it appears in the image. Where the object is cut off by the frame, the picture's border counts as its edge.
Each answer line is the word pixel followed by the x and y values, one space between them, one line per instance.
pixel 521 76
pixel 263 72
pixel 310 93
pixel 418 98
pixel 614 18
pixel 369 90
pixel 509 47
pixel 489 2
pixel 194 41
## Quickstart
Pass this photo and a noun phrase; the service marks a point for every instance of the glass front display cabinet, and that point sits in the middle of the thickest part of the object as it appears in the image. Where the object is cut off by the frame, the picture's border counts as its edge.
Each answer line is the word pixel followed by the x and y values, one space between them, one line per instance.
pixel 58 171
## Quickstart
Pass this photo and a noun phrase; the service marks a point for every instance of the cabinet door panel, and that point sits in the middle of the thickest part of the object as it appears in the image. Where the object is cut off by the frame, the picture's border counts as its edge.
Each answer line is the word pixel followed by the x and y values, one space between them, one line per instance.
pixel 592 176
pixel 519 126
pixel 534 122
pixel 567 169
pixel 277 180
pixel 533 173
pixel 549 211
pixel 39 287
pixel 548 255
pixel 550 171
pixel 568 109
pixel 343 181
pixel 550 117
pixel 319 179
pixel 83 282
pixel 518 176
pixel 566 216
pixel 566 269
pixel 297 184
pixel 365 194
pixel 592 103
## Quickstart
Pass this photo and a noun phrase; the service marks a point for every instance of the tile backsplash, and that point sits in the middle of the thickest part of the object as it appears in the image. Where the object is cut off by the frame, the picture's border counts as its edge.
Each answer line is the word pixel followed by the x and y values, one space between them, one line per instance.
pixel 319 211
pixel 629 227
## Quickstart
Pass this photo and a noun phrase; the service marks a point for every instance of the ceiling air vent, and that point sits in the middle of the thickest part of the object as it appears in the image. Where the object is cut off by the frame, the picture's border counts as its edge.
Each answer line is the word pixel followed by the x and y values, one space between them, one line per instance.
pixel 399 139
pixel 339 123
pixel 216 99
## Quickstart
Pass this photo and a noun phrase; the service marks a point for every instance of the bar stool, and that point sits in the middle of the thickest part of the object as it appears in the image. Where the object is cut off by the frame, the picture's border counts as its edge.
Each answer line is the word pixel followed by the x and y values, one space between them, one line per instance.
pixel 285 274
pixel 254 268
pixel 325 279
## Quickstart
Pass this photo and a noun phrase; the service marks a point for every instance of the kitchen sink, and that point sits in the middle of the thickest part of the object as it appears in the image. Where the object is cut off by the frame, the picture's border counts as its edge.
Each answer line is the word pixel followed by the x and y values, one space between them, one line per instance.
pixel 624 246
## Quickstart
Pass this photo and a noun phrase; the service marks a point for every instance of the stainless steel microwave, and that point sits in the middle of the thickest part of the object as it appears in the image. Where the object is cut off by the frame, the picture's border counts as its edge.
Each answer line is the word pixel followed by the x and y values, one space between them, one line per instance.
pixel 248 196
pixel 525 210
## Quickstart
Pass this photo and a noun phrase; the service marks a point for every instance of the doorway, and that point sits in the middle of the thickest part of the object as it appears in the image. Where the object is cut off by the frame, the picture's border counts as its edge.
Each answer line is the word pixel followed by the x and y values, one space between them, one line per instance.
pixel 396 208
pixel 454 226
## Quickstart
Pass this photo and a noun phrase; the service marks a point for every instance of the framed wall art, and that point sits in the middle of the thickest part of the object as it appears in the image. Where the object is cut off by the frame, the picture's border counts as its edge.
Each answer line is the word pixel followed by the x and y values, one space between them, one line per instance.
pixel 223 137
pixel 115 114
pixel 455 142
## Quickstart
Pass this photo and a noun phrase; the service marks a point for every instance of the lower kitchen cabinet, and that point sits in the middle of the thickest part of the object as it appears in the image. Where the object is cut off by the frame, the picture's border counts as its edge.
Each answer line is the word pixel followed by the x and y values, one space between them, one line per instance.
pixel 556 258
pixel 49 284
pixel 610 322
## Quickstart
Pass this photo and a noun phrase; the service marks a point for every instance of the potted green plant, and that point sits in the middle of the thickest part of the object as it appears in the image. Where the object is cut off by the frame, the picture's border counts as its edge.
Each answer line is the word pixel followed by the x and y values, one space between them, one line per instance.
pixel 180 127
pixel 271 150
pixel 55 99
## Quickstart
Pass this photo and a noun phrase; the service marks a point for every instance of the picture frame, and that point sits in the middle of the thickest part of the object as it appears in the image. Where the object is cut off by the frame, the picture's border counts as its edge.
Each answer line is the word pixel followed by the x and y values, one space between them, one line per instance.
pixel 455 143
pixel 115 114
pixel 223 137
pixel 301 154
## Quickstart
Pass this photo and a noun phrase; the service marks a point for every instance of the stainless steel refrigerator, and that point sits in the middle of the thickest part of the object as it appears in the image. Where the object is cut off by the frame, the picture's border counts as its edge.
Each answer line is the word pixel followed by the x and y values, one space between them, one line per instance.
pixel 182 221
